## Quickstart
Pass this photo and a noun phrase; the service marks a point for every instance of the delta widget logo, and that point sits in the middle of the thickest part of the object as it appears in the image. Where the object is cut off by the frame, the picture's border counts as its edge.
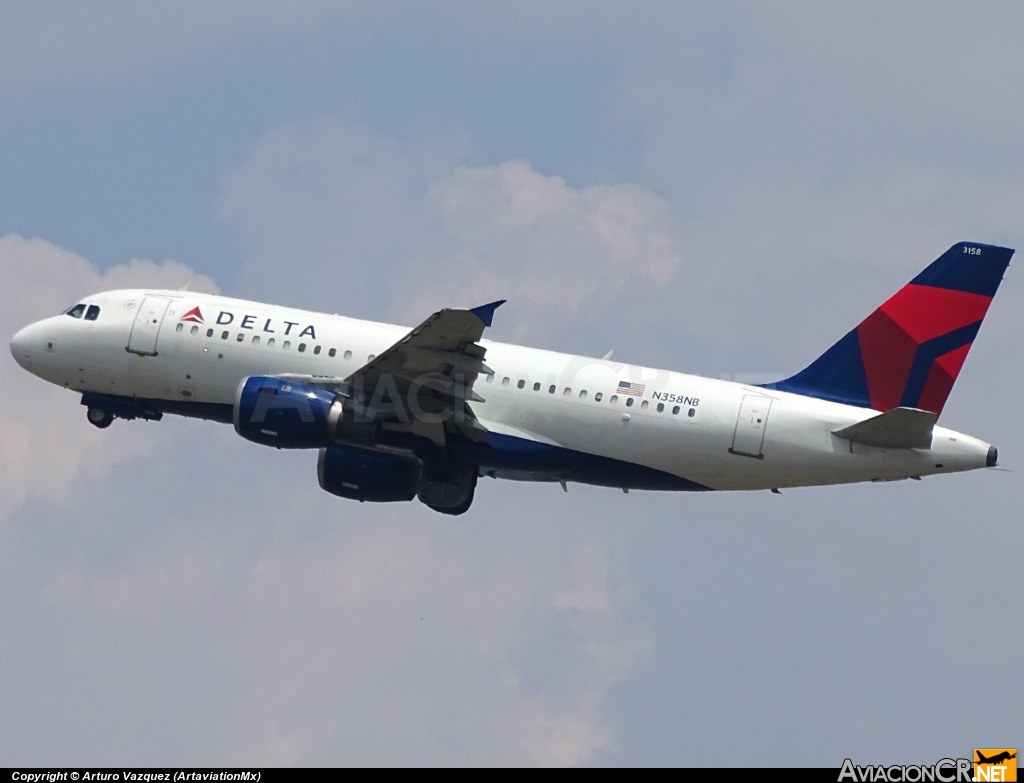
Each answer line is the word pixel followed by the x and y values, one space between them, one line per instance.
pixel 194 315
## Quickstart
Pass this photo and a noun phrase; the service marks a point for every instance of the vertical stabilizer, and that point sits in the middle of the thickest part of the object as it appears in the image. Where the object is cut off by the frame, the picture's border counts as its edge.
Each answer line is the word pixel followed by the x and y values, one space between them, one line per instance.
pixel 909 352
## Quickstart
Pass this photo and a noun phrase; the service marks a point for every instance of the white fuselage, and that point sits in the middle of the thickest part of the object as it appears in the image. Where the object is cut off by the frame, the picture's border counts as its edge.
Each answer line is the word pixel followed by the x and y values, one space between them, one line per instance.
pixel 718 434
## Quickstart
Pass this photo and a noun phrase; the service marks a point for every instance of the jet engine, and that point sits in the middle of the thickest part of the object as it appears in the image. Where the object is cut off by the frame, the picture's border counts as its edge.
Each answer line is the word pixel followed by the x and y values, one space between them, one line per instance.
pixel 290 415
pixel 360 474
pixel 283 413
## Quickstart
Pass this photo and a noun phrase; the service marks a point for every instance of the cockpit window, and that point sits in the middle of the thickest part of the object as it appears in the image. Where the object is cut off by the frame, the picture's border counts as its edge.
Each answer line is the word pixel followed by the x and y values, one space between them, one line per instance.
pixel 76 311
pixel 92 313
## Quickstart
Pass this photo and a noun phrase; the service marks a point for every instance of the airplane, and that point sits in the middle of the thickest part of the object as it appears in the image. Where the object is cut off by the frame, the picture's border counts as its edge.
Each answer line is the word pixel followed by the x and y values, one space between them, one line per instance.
pixel 999 758
pixel 398 414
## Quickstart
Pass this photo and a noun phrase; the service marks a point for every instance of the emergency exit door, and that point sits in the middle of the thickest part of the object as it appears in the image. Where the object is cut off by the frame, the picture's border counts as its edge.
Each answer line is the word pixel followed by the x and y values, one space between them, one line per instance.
pixel 750 426
pixel 147 325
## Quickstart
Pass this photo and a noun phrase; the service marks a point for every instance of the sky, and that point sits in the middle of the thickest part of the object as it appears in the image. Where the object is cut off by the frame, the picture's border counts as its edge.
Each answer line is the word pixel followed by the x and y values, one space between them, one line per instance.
pixel 722 189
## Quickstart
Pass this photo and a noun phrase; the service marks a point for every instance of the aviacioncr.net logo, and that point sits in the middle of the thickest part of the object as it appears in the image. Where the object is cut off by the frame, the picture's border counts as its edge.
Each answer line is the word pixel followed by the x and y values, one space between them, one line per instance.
pixel 995 765
pixel 942 771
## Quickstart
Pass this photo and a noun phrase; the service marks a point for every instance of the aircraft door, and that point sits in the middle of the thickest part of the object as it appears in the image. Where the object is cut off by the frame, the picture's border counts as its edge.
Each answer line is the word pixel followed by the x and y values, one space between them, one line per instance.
pixel 750 425
pixel 147 325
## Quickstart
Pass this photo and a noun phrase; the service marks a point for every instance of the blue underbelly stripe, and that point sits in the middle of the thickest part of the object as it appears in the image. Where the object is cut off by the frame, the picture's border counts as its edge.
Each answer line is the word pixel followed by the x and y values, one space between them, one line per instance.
pixel 502 453
pixel 506 452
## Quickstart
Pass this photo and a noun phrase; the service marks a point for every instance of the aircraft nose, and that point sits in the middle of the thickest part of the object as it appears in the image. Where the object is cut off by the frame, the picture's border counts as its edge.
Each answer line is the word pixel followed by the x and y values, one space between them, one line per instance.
pixel 20 348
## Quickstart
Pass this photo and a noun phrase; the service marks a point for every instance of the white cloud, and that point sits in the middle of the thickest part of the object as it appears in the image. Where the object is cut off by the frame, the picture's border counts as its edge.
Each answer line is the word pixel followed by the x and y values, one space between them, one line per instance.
pixel 273 623
pixel 337 218
pixel 284 626
pixel 545 245
pixel 40 456
pixel 418 632
pixel 817 158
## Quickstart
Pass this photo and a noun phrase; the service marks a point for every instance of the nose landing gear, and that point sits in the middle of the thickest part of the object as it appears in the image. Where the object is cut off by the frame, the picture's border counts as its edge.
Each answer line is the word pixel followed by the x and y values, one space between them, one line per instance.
pixel 99 417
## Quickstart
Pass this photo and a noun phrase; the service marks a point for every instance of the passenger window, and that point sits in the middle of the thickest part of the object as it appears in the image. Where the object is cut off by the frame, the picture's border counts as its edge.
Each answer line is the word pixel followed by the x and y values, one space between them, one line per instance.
pixel 598 396
pixel 348 355
pixel 567 392
pixel 536 386
pixel 270 342
pixel 583 394
pixel 692 412
pixel 209 332
pixel 316 351
pixel 240 337
pixel 224 336
pixel 504 381
pixel 287 344
pixel 195 330
pixel 551 389
pixel 643 405
pixel 179 327
pixel 629 402
pixel 371 357
pixel 521 383
pixel 661 407
pixel 76 311
pixel 255 339
pixel 93 313
pixel 613 399
pixel 333 352
pixel 302 347
pixel 490 379
pixel 675 411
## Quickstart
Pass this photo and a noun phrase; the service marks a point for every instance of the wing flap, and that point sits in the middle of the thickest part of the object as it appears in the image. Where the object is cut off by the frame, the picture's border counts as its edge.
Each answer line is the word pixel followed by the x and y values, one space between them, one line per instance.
pixel 462 360
pixel 431 370
pixel 899 428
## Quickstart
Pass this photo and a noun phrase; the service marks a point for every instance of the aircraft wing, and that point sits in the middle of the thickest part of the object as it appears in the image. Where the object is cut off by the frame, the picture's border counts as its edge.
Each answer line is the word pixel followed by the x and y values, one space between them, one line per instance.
pixel 899 428
pixel 424 382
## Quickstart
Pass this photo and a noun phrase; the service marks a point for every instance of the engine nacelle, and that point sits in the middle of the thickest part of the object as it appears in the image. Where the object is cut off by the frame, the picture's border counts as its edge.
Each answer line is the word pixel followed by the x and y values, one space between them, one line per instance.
pixel 359 474
pixel 285 414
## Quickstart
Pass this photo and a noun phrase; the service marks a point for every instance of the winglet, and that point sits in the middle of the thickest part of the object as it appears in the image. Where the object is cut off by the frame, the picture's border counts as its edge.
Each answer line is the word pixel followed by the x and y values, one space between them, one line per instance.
pixel 486 312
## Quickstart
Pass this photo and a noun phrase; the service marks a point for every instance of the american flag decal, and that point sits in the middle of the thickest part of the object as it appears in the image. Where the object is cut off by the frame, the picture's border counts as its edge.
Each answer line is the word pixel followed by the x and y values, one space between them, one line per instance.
pixel 634 389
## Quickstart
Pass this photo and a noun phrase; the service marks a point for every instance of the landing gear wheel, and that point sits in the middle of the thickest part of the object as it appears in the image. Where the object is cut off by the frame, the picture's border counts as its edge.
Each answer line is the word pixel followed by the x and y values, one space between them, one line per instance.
pixel 99 417
pixel 455 511
pixel 447 485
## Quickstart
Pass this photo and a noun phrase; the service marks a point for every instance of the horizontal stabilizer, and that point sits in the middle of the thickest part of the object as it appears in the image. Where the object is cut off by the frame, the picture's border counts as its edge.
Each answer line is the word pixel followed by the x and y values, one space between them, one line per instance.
pixel 900 428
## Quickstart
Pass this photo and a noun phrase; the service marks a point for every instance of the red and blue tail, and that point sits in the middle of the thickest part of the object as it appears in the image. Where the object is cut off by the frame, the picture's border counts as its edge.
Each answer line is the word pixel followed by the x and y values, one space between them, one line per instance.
pixel 910 350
